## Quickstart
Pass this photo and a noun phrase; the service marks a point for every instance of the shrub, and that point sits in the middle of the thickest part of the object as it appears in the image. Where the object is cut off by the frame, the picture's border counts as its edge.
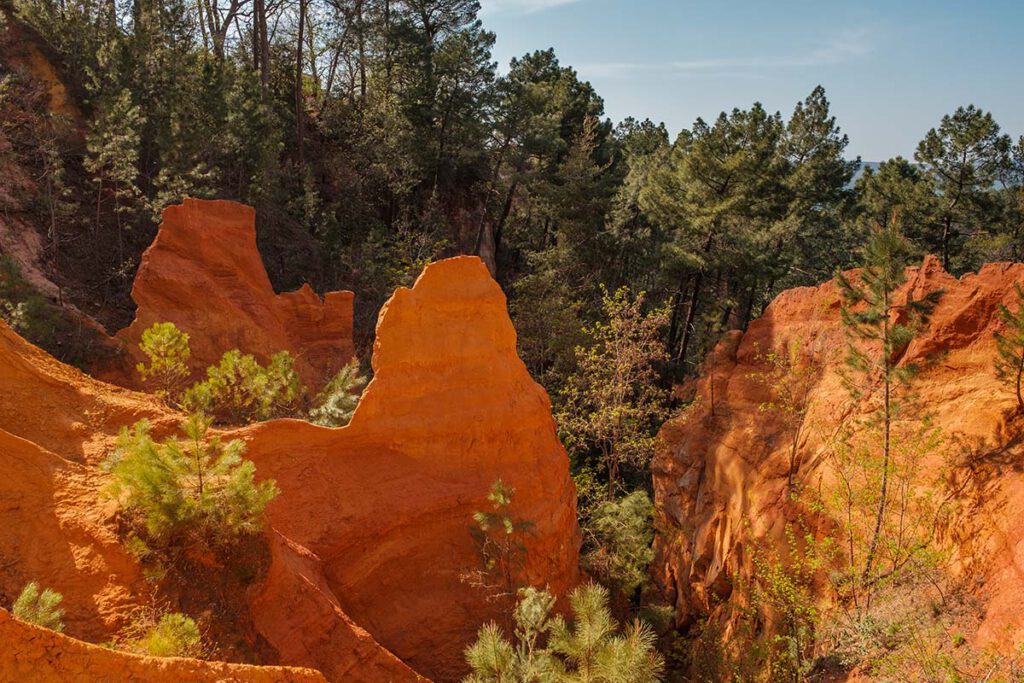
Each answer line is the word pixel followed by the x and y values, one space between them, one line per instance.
pixel 39 608
pixel 26 310
pixel 335 405
pixel 168 351
pixel 619 535
pixel 198 488
pixel 590 649
pixel 170 634
pixel 238 390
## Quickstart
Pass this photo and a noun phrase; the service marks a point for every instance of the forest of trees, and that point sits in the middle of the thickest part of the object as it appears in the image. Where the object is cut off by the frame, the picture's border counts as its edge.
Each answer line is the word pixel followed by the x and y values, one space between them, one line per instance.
pixel 372 136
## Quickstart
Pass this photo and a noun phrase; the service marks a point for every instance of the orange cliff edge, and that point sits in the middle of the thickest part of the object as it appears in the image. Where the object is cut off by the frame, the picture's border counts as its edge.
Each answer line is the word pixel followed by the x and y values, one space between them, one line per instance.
pixel 204 273
pixel 369 538
pixel 720 474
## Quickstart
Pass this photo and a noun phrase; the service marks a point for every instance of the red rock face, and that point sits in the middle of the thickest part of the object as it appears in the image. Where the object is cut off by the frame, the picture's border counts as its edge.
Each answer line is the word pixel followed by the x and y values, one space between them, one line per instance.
pixel 386 503
pixel 720 475
pixel 370 534
pixel 204 273
pixel 31 653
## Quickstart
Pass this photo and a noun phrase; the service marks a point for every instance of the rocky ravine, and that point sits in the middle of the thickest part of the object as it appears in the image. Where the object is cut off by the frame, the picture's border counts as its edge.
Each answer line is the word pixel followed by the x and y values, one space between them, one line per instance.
pixel 369 536
pixel 723 463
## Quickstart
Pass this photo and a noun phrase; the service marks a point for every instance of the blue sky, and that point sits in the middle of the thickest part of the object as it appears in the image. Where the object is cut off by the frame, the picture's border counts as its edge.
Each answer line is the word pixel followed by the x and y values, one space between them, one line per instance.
pixel 891 69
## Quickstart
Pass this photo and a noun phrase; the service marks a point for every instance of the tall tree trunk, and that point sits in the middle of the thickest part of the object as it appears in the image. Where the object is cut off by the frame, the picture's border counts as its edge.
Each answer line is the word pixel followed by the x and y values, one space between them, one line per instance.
pixel 886 425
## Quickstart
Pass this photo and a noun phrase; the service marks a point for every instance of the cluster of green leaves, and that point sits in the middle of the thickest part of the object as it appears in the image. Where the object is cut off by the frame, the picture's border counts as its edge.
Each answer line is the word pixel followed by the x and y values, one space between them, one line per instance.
pixel 161 634
pixel 239 390
pixel 336 404
pixel 192 490
pixel 590 649
pixel 612 403
pixel 168 351
pixel 41 608
pixel 617 548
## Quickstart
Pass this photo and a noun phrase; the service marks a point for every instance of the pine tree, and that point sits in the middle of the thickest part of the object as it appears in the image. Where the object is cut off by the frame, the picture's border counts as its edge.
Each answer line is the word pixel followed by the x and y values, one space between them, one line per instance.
pixel 183 490
pixel 591 649
pixel 168 351
pixel 1009 363
pixel 964 156
pixel 872 315
pixel 336 404
pixel 39 608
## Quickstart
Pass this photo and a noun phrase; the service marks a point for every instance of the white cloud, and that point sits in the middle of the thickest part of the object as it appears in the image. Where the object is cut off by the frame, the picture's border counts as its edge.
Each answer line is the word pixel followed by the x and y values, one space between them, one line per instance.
pixel 844 47
pixel 519 6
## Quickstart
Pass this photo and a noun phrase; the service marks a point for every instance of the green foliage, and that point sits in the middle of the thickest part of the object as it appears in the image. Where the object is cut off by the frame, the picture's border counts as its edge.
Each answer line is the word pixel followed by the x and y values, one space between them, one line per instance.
pixel 619 535
pixel 39 608
pixel 238 390
pixel 335 405
pixel 1009 363
pixel 196 490
pixel 168 351
pixel 964 156
pixel 167 634
pixel 591 649
pixel 499 539
pixel 872 316
pixel 25 309
pixel 613 402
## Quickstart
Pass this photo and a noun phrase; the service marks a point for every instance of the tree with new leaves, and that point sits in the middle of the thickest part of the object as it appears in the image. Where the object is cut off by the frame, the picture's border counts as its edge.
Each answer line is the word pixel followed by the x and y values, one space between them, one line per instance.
pixel 39 607
pixel 1009 361
pixel 196 489
pixel 613 401
pixel 880 327
pixel 168 351
pixel 591 649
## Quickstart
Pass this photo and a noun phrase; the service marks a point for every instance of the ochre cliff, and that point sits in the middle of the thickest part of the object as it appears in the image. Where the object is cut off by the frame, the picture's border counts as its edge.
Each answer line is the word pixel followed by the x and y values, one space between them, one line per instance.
pixel 204 273
pixel 720 474
pixel 370 534
pixel 386 503
pixel 31 653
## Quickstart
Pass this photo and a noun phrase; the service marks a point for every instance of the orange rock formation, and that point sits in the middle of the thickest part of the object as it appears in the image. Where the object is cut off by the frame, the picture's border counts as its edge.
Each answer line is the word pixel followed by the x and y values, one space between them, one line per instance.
pixel 204 273
pixel 386 502
pixel 723 463
pixel 369 536
pixel 31 653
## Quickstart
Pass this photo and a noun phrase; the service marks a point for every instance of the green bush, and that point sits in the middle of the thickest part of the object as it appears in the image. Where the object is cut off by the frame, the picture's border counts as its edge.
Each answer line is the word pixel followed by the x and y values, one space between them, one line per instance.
pixel 168 351
pixel 164 635
pixel 619 535
pixel 589 649
pixel 335 405
pixel 238 390
pixel 39 608
pixel 197 489
pixel 25 309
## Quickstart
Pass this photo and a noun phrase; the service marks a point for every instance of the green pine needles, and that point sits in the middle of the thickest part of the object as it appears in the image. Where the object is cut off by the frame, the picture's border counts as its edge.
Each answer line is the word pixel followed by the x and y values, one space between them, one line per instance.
pixel 168 351
pixel 39 607
pixel 336 404
pixel 880 328
pixel 196 489
pixel 1009 362
pixel 591 649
